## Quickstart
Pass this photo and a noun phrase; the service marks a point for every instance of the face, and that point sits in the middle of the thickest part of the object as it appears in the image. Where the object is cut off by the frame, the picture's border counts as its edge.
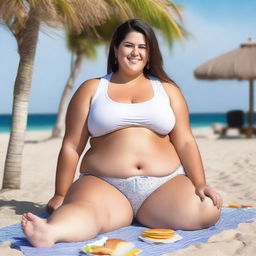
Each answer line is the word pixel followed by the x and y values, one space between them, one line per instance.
pixel 132 53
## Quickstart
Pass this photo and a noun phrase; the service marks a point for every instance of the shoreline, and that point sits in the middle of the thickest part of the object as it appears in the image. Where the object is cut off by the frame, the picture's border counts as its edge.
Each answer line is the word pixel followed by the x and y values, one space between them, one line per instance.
pixel 46 121
pixel 49 128
pixel 229 163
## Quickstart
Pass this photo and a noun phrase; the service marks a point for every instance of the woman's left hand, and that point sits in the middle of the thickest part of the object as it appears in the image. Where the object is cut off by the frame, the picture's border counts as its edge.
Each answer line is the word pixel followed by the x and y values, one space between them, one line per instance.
pixel 204 190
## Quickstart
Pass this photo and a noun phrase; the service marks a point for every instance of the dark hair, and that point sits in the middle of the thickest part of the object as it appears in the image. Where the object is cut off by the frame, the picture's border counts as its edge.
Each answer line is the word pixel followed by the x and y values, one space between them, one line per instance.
pixel 155 62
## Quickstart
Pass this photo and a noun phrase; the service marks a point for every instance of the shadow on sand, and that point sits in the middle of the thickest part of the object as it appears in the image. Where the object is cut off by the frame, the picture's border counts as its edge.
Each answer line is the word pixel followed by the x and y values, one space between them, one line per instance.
pixel 232 137
pixel 39 141
pixel 21 207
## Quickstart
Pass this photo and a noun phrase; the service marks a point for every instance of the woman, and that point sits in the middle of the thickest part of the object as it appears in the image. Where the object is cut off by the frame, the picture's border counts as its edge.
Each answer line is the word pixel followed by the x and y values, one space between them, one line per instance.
pixel 143 161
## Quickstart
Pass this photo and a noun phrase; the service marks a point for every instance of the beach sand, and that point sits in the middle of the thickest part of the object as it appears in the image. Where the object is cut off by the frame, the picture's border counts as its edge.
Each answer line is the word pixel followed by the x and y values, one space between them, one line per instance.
pixel 230 166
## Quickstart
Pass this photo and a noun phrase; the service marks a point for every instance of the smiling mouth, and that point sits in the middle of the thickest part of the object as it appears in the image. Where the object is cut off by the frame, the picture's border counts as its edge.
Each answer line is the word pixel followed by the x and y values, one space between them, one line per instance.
pixel 133 60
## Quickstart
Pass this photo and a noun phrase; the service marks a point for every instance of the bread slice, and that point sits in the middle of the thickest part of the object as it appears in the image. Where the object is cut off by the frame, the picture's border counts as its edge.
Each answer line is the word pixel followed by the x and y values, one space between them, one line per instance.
pixel 101 250
pixel 114 247
pixel 112 243
pixel 122 248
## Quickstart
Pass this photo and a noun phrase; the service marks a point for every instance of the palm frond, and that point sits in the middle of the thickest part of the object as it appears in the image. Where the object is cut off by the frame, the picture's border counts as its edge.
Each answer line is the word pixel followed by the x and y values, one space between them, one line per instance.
pixel 160 15
pixel 76 15
pixel 13 12
pixel 78 43
pixel 171 7
pixel 163 15
pixel 120 7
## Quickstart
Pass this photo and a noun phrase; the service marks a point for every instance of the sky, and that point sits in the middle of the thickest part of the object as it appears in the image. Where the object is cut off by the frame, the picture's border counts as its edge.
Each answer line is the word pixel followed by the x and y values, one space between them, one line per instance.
pixel 217 27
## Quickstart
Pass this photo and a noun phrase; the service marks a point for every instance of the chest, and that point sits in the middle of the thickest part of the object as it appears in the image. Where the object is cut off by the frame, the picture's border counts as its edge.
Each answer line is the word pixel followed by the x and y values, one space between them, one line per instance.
pixel 130 93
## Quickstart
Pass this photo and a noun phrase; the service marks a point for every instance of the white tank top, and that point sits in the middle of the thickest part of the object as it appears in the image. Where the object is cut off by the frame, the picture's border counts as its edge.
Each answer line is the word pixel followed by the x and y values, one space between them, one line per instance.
pixel 106 115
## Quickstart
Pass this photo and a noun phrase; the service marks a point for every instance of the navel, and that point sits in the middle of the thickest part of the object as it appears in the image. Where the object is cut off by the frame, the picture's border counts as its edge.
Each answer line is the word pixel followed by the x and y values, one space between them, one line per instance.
pixel 138 167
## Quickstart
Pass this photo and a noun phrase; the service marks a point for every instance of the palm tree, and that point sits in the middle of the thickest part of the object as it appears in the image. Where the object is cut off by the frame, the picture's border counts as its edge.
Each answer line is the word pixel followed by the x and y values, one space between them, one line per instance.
pixel 23 18
pixel 80 48
pixel 160 14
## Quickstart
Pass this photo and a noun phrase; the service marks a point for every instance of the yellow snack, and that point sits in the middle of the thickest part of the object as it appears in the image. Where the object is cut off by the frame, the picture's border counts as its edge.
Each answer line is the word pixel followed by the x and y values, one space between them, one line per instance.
pixel 159 234
pixel 234 206
pixel 158 231
pixel 133 252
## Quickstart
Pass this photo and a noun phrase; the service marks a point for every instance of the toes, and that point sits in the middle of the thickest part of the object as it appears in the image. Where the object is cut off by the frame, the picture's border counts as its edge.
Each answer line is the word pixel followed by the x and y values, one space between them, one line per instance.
pixel 31 216
pixel 23 225
pixel 28 216
pixel 23 221
pixel 25 216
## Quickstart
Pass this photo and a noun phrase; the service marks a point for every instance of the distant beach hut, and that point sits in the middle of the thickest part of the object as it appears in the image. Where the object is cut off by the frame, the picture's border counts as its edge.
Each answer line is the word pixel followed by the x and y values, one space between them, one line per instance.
pixel 237 64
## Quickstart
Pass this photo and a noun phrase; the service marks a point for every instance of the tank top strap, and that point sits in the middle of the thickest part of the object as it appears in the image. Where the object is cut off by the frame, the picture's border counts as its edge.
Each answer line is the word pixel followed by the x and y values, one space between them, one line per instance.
pixel 102 86
pixel 107 78
pixel 154 85
pixel 158 88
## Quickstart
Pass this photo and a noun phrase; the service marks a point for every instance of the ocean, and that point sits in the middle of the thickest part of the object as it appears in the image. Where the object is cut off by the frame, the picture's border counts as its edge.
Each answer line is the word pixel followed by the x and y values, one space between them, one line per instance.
pixel 46 121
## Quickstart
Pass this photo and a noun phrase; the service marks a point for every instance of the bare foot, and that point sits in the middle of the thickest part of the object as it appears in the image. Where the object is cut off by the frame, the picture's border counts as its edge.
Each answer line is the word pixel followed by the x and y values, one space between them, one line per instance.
pixel 37 231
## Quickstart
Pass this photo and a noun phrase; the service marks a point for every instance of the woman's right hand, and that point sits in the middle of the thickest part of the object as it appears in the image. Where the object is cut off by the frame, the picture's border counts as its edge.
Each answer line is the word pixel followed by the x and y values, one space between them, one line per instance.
pixel 54 203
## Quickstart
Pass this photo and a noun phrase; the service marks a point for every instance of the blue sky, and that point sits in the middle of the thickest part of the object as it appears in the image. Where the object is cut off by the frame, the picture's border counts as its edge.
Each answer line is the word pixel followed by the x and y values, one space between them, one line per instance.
pixel 217 27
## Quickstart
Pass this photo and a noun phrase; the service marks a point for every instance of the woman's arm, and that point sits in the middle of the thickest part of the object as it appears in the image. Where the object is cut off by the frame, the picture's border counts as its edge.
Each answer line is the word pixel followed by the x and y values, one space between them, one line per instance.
pixel 186 147
pixel 74 141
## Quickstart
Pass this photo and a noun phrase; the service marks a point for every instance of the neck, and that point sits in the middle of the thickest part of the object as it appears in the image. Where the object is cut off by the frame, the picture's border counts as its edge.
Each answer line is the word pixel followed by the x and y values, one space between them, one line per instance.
pixel 121 78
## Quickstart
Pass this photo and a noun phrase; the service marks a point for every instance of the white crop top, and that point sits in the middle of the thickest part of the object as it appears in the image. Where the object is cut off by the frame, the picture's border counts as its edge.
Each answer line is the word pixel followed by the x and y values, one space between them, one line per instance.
pixel 106 115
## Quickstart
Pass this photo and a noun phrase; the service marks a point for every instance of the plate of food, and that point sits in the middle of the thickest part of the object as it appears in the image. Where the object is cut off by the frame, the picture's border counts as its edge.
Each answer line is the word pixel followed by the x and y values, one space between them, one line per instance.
pixel 114 247
pixel 159 236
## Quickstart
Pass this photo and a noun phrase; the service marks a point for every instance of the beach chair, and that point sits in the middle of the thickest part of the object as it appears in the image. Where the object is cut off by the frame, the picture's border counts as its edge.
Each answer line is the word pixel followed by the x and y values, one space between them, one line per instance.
pixel 235 119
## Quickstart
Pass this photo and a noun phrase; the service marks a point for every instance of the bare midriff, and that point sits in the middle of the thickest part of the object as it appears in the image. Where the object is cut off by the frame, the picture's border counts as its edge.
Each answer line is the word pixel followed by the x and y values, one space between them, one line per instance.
pixel 131 151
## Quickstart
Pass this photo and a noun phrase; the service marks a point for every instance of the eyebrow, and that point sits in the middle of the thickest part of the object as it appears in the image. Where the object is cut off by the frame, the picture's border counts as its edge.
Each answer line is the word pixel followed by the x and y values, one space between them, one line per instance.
pixel 127 42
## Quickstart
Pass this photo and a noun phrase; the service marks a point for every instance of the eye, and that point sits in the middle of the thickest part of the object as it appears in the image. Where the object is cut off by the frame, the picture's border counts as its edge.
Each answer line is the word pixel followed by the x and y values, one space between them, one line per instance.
pixel 128 45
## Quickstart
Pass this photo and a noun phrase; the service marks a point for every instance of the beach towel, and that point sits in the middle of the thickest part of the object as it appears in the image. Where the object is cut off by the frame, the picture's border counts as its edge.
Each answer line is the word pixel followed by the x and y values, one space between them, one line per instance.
pixel 230 218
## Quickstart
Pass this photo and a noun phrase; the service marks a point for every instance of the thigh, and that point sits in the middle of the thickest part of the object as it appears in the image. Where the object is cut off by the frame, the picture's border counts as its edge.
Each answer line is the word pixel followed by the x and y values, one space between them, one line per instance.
pixel 111 206
pixel 175 205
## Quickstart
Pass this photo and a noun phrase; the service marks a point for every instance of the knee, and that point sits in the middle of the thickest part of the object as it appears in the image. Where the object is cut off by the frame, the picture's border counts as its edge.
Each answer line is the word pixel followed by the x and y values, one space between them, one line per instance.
pixel 208 213
pixel 200 215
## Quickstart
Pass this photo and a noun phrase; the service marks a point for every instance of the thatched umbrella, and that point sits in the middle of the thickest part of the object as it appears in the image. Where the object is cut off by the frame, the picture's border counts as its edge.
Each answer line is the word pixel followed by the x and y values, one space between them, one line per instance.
pixel 237 64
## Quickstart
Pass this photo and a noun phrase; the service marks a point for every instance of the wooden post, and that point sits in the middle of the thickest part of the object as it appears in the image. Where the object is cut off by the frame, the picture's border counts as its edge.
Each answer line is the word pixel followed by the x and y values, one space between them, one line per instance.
pixel 251 109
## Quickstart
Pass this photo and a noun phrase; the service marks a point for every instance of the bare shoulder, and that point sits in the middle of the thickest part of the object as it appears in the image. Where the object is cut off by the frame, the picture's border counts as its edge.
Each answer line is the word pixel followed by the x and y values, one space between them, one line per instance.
pixel 90 83
pixel 172 90
pixel 78 108
pixel 89 86
pixel 86 90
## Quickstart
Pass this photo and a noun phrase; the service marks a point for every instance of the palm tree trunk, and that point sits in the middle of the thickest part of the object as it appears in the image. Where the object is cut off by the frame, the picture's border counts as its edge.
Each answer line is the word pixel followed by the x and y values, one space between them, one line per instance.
pixel 27 49
pixel 58 129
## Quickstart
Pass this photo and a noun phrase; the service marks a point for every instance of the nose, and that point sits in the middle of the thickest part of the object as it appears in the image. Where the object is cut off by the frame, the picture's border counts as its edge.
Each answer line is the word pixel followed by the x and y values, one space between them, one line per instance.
pixel 135 51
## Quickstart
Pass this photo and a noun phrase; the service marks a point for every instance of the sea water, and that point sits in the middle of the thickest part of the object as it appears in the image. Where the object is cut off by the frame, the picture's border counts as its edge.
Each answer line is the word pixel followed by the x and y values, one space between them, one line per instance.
pixel 47 121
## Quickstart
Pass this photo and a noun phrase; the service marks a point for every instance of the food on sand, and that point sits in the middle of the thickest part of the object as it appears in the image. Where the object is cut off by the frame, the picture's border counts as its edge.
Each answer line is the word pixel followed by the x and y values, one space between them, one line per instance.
pixel 239 205
pixel 247 206
pixel 234 206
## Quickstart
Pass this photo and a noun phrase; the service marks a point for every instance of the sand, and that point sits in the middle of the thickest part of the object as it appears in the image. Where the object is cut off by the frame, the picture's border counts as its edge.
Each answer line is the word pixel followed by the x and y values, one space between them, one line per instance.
pixel 230 166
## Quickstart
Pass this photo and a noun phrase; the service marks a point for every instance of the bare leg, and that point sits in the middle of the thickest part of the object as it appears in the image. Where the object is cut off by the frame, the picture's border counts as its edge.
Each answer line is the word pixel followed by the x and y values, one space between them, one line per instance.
pixel 175 205
pixel 92 206
pixel 70 222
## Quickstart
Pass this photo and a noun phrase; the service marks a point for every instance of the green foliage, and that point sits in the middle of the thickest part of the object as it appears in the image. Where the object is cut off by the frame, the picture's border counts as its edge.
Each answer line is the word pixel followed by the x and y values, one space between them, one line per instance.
pixel 79 45
pixel 162 15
